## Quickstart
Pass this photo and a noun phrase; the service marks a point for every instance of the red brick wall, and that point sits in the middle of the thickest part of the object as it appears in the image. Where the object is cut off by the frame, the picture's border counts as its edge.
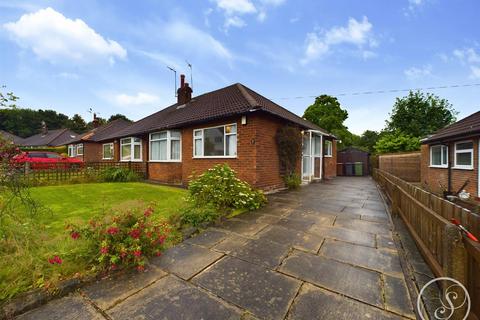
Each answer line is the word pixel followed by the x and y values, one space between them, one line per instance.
pixel 330 163
pixel 433 176
pixel 166 172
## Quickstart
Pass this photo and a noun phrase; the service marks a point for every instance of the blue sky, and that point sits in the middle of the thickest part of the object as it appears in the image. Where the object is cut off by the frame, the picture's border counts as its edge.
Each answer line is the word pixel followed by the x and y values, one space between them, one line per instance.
pixel 112 55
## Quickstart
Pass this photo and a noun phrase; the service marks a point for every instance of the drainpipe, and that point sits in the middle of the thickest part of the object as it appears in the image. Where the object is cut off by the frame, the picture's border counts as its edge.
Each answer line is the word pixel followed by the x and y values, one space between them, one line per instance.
pixel 449 190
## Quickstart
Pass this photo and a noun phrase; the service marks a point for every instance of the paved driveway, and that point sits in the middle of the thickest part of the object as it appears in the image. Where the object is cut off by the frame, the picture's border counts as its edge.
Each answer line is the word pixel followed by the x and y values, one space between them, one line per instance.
pixel 324 252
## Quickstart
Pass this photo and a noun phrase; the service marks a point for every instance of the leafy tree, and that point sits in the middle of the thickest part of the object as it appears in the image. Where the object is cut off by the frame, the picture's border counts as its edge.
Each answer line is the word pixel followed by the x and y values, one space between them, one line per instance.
pixel 118 116
pixel 100 121
pixel 77 123
pixel 419 114
pixel 368 139
pixel 8 99
pixel 397 142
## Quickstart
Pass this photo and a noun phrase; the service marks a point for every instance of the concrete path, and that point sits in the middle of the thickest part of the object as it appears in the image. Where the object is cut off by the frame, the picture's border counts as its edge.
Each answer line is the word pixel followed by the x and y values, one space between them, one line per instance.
pixel 323 252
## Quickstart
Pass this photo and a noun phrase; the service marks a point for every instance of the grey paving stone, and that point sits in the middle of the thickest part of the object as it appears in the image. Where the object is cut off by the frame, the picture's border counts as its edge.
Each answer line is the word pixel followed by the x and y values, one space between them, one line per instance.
pixel 249 228
pixel 262 251
pixel 207 238
pixel 230 243
pixel 172 298
pixel 362 225
pixel 375 218
pixel 295 224
pixel 72 307
pixel 266 294
pixel 347 235
pixel 292 238
pixel 397 298
pixel 316 303
pixel 320 218
pixel 354 282
pixel 385 261
pixel 186 260
pixel 377 206
pixel 366 211
pixel 319 206
pixel 257 217
pixel 386 242
pixel 107 292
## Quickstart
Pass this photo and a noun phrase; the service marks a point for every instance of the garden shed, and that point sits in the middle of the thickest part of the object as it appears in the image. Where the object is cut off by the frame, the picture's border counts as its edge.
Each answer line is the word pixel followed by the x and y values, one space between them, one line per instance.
pixel 353 162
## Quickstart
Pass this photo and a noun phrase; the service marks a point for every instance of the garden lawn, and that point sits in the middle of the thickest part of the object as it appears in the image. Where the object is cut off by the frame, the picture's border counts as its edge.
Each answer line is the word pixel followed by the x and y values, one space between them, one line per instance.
pixel 24 266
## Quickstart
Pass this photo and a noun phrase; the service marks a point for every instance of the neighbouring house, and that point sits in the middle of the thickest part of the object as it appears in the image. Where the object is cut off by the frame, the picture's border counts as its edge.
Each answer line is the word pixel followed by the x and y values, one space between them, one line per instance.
pixel 450 157
pixel 353 161
pixel 49 138
pixel 11 137
pixel 87 147
pixel 233 125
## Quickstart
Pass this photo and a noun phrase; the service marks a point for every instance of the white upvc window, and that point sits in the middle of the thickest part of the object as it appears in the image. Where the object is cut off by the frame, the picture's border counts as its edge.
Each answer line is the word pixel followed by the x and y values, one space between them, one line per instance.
pixel 107 151
pixel 71 150
pixel 439 156
pixel 131 149
pixel 166 146
pixel 328 148
pixel 464 155
pixel 80 149
pixel 215 142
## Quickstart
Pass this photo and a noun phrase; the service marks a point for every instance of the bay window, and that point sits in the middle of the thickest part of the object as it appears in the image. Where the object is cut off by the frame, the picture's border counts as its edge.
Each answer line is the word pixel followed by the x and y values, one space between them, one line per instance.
pixel 439 156
pixel 215 142
pixel 131 149
pixel 107 151
pixel 464 155
pixel 165 146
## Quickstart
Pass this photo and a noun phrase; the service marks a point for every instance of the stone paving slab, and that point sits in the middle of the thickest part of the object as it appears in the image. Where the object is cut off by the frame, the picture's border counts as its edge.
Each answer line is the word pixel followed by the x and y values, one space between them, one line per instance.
pixel 295 224
pixel 262 251
pixel 384 261
pixel 264 293
pixel 386 242
pixel 208 238
pixel 172 298
pixel 319 218
pixel 292 238
pixel 107 292
pixel 357 283
pixel 247 228
pixel 186 260
pixel 362 225
pixel 397 298
pixel 257 218
pixel 72 307
pixel 347 235
pixel 365 211
pixel 375 218
pixel 316 303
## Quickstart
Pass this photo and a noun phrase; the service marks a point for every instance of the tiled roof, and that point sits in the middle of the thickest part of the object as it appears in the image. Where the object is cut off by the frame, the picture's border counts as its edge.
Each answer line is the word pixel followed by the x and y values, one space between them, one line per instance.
pixel 52 138
pixel 98 134
pixel 463 128
pixel 233 100
pixel 11 137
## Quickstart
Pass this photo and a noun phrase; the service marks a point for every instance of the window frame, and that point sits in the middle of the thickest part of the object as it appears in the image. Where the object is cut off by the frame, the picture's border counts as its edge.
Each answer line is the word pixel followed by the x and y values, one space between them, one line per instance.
pixel 471 151
pixel 202 138
pixel 169 140
pixel 441 165
pixel 328 149
pixel 112 148
pixel 132 149
pixel 80 145
pixel 72 151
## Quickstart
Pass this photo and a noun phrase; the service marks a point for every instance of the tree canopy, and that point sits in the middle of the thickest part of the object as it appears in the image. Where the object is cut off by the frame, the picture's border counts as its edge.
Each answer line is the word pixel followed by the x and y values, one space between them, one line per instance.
pixel 118 116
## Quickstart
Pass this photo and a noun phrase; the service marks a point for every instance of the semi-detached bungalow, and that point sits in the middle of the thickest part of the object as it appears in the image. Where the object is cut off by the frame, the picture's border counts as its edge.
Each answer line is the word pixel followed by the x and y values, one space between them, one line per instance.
pixel 233 125
pixel 450 157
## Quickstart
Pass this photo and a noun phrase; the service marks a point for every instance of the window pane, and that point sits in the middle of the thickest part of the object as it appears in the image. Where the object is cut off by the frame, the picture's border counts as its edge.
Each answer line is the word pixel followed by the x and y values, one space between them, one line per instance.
pixel 213 142
pixel 175 150
pixel 316 145
pixel 175 134
pixel 231 129
pixel 436 156
pixel 198 147
pixel 464 159
pixel 198 133
pixel 137 152
pixel 306 145
pixel 126 152
pixel 232 145
pixel 158 150
pixel 445 155
pixel 137 140
pixel 464 145
pixel 160 135
pixel 125 141
pixel 107 151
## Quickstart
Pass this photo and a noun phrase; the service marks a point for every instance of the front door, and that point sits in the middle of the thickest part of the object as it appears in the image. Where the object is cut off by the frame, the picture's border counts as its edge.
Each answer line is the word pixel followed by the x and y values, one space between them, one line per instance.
pixel 312 156
pixel 307 157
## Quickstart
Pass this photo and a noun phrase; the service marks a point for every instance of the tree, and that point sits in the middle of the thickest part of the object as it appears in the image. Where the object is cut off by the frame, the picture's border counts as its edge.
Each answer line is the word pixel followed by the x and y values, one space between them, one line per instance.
pixel 8 99
pixel 397 142
pixel 118 116
pixel 77 124
pixel 419 114
pixel 368 139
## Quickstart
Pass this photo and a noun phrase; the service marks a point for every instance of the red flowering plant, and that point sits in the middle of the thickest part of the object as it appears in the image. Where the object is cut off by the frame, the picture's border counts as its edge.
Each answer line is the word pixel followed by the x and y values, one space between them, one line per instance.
pixel 124 240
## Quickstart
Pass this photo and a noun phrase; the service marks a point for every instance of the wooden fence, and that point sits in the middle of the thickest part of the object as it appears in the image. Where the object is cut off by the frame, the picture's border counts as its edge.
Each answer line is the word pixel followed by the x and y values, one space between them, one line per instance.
pixel 446 250
pixel 402 165
pixel 62 173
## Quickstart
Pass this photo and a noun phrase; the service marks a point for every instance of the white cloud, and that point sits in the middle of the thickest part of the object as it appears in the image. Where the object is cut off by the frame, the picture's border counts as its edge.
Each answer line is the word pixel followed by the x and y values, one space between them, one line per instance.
pixel 274 3
pixel 53 37
pixel 414 5
pixel 470 58
pixel 357 33
pixel 414 73
pixel 141 98
pixel 475 72
pixel 236 6
pixel 234 21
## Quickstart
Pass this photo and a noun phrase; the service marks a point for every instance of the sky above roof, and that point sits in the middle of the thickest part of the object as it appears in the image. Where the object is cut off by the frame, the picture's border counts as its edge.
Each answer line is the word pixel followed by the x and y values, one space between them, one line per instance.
pixel 112 56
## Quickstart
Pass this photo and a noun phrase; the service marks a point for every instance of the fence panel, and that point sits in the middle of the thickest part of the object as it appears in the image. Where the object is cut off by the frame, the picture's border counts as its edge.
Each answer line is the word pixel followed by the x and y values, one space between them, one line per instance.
pixel 402 165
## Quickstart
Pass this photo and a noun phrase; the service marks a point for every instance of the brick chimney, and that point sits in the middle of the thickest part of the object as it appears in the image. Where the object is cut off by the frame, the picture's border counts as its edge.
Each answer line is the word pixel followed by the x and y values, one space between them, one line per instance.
pixel 96 123
pixel 44 128
pixel 184 93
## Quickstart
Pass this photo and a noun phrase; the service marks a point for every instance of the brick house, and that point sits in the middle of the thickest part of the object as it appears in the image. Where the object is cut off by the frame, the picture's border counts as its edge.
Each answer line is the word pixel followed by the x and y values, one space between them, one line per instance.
pixel 87 147
pixel 233 125
pixel 450 157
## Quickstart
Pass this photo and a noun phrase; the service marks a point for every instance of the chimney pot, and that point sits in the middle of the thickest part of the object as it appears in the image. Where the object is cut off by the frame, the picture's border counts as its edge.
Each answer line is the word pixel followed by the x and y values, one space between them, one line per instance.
pixel 182 80
pixel 184 93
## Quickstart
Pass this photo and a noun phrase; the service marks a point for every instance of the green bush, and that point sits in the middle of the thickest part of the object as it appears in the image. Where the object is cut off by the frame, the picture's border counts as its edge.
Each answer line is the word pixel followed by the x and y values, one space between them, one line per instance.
pixel 220 188
pixel 113 174
pixel 292 181
pixel 195 216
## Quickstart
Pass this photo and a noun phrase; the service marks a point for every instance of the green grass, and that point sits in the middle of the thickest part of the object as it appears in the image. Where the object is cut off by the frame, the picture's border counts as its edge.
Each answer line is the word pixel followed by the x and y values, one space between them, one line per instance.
pixel 24 264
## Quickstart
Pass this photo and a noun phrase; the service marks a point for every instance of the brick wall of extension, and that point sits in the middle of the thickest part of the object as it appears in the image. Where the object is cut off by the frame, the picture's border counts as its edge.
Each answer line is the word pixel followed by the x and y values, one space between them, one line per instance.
pixel 330 163
pixel 435 178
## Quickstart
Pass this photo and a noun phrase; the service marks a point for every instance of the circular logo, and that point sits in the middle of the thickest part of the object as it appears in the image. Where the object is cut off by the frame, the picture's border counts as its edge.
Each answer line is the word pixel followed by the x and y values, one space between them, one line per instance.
pixel 444 297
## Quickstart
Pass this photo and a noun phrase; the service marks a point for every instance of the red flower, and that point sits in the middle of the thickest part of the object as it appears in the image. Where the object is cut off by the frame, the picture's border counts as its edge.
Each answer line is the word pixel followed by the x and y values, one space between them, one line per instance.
pixel 112 230
pixel 113 266
pixel 161 239
pixel 140 268
pixel 135 233
pixel 123 254
pixel 137 253
pixel 55 260
pixel 75 235
pixel 104 250
pixel 148 212
pixel 158 253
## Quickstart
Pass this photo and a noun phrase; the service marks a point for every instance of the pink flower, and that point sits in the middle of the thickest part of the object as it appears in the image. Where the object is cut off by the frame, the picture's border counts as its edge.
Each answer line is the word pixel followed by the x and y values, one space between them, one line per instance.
pixel 55 260
pixel 140 268
pixel 137 253
pixel 104 250
pixel 158 253
pixel 75 235
pixel 112 230
pixel 135 233
pixel 113 266
pixel 148 212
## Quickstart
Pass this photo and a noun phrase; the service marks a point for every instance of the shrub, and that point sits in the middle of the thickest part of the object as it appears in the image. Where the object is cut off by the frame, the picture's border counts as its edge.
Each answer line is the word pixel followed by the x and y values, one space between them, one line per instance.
pixel 292 181
pixel 123 240
pixel 220 188
pixel 114 174
pixel 195 216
